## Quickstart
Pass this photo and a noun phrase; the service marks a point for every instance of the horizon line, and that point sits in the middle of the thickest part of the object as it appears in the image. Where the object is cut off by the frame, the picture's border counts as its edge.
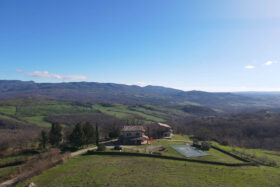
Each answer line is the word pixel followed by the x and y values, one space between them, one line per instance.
pixel 213 90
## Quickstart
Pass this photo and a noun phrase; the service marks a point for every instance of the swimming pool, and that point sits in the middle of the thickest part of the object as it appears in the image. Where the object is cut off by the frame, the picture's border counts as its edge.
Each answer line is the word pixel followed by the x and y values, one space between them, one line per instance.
pixel 189 151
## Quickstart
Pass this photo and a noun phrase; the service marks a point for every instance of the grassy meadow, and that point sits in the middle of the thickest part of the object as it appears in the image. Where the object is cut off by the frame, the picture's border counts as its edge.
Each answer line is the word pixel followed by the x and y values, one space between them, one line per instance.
pixel 93 170
pixel 105 170
pixel 274 155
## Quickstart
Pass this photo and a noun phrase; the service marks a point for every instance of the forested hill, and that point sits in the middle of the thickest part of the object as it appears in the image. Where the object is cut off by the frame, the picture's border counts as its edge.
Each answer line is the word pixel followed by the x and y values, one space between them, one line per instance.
pixel 125 94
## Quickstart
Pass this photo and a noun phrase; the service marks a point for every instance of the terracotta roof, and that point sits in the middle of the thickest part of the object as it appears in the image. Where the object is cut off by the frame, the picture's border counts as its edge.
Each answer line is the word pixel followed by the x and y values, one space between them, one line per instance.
pixel 164 125
pixel 133 128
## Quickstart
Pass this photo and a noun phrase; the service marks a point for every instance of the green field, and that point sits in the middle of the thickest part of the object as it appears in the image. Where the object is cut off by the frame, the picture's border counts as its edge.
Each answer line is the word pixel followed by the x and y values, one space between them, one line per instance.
pixel 8 109
pixel 274 155
pixel 122 111
pixel 6 117
pixel 139 171
pixel 35 110
pixel 9 117
pixel 38 120
pixel 44 110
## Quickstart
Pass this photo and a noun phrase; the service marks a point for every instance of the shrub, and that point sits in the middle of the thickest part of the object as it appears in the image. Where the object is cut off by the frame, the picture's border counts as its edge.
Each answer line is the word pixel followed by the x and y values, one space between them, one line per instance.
pixel 205 146
pixel 195 143
pixel 224 143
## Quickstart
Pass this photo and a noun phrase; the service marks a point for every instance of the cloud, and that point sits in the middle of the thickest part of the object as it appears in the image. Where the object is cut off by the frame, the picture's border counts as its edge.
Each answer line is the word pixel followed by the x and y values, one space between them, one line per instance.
pixel 269 63
pixel 45 74
pixel 249 67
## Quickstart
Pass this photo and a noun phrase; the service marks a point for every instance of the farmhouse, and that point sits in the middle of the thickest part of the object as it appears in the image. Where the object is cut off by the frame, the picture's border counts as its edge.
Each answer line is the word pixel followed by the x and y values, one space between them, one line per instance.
pixel 159 130
pixel 137 135
pixel 133 135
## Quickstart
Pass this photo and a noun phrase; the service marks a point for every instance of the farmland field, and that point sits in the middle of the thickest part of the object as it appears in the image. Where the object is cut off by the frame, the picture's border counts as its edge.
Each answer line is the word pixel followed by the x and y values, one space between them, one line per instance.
pixel 8 109
pixel 35 110
pixel 43 110
pixel 38 120
pixel 122 111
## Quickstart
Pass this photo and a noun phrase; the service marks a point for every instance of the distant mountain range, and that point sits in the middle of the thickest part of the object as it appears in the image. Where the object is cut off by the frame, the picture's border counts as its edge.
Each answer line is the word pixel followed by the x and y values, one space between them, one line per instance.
pixel 125 94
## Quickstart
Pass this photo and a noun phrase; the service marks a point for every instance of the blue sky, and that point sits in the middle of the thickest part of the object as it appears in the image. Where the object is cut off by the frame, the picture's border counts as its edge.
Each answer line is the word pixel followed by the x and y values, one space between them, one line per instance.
pixel 211 45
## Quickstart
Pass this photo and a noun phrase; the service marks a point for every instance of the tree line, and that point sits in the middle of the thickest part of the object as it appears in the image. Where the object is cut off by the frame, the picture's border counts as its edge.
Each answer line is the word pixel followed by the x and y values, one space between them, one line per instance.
pixel 82 134
pixel 251 130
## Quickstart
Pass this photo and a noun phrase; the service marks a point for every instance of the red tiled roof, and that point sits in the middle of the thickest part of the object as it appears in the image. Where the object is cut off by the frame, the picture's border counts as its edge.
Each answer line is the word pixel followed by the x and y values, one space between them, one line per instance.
pixel 133 128
pixel 164 125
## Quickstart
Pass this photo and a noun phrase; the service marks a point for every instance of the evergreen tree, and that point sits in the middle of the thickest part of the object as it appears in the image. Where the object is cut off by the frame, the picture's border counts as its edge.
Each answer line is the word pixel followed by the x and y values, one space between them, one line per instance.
pixel 89 133
pixel 55 135
pixel 43 139
pixel 96 134
pixel 77 137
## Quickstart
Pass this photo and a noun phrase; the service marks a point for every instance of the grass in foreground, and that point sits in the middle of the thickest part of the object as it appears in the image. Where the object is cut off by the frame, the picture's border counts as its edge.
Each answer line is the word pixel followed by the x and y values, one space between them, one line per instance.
pixel 274 155
pixel 214 155
pixel 117 171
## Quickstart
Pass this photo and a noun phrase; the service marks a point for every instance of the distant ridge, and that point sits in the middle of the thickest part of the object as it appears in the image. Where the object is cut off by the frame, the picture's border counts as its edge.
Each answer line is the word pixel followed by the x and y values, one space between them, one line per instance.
pixel 129 94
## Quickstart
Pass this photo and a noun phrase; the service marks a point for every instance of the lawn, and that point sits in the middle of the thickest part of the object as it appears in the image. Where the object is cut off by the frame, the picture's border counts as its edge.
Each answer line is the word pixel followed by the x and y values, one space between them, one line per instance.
pixel 275 155
pixel 180 137
pixel 218 156
pixel 93 170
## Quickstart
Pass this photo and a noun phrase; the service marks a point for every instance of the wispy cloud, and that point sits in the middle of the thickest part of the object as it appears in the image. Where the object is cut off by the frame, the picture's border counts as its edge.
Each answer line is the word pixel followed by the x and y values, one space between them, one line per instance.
pixel 269 63
pixel 249 67
pixel 45 74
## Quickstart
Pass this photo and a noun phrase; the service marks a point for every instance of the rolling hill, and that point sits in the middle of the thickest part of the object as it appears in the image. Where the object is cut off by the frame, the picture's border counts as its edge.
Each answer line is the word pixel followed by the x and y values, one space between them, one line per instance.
pixel 93 92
